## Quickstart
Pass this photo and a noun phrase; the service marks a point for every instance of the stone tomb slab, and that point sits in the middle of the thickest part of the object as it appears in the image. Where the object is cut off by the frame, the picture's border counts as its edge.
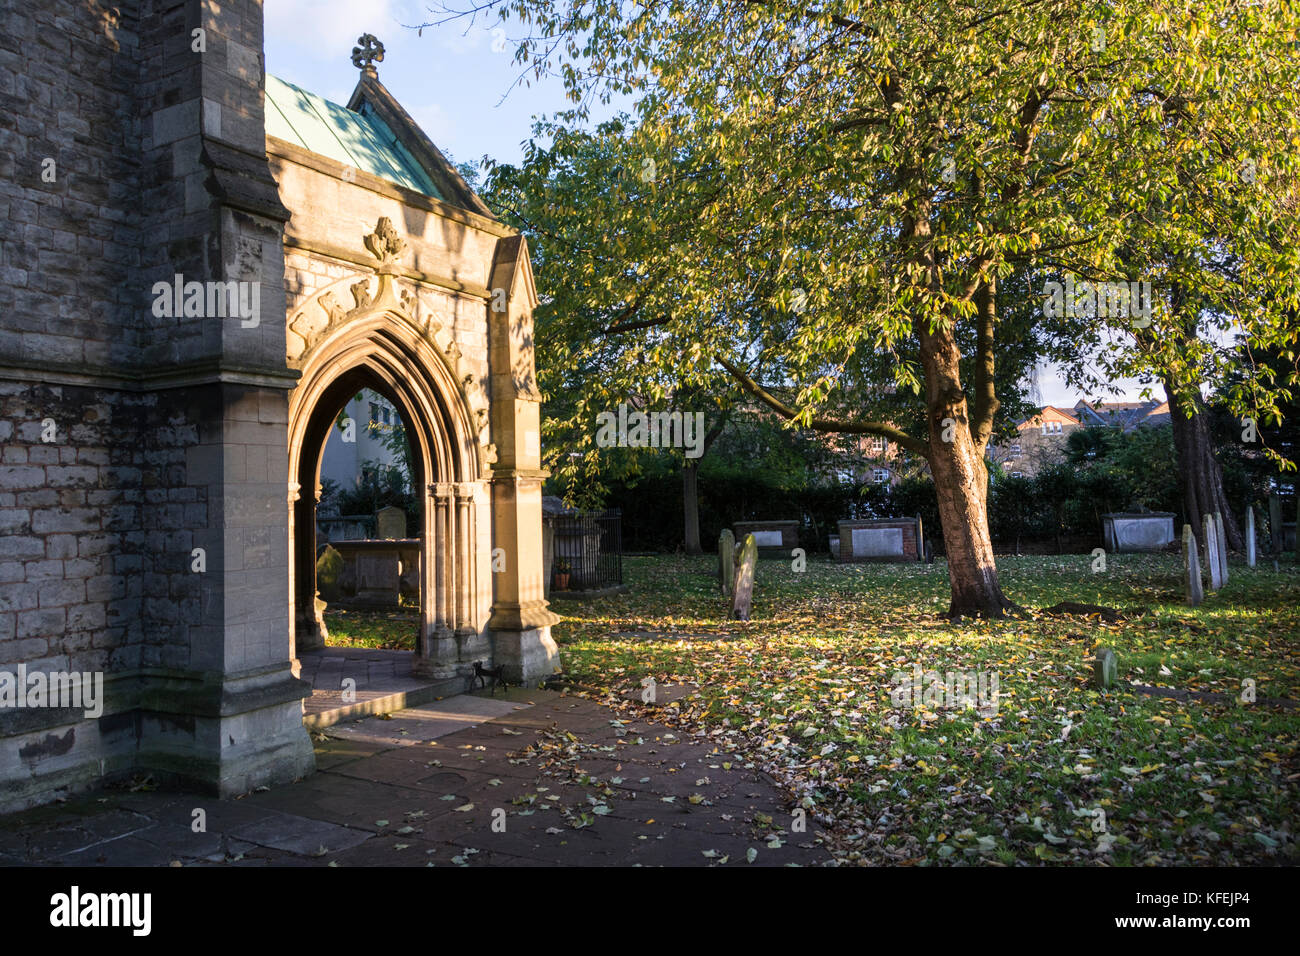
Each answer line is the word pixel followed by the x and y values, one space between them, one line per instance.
pixel 877 542
pixel 378 577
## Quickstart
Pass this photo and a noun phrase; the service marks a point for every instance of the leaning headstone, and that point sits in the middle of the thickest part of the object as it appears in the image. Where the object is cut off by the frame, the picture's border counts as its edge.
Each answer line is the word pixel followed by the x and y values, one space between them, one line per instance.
pixel 1250 536
pixel 742 598
pixel 1222 540
pixel 1103 669
pixel 1212 564
pixel 1192 567
pixel 328 568
pixel 390 522
pixel 726 559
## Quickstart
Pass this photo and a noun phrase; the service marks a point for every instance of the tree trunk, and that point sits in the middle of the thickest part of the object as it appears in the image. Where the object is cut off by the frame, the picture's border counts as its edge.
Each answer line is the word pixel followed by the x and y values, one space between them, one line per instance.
pixel 691 504
pixel 1199 473
pixel 960 483
pixel 691 485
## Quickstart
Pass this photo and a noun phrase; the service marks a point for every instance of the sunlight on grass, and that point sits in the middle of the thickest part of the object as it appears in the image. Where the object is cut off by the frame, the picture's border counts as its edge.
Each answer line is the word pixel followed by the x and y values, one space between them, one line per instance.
pixel 1061 773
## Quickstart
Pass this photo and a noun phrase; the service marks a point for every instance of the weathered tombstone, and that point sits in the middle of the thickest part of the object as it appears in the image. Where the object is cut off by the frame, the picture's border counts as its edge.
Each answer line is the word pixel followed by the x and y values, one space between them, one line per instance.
pixel 726 560
pixel 378 577
pixel 742 599
pixel 328 568
pixel 1250 536
pixel 1103 669
pixel 1212 553
pixel 1222 541
pixel 390 522
pixel 877 542
pixel 1275 523
pixel 1192 567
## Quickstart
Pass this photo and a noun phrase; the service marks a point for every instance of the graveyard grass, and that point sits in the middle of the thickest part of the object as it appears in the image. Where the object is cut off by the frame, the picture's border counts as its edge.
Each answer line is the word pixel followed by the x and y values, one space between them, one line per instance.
pixel 803 692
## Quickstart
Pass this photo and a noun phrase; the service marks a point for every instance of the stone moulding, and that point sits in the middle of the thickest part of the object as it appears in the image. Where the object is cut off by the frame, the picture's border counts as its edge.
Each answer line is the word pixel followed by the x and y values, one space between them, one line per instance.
pixel 323 315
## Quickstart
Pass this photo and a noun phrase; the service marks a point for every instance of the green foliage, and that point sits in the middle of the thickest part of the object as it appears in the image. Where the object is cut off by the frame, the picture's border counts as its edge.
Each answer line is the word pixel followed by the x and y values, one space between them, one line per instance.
pixel 759 205
pixel 378 487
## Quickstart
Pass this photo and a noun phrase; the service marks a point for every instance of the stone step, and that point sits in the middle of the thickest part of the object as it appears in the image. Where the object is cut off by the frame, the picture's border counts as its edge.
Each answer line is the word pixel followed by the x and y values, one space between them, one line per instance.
pixel 325 708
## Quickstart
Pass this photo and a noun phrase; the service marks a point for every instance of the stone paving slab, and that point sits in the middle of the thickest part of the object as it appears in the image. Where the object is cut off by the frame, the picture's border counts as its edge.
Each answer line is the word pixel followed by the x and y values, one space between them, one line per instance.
pixel 522 778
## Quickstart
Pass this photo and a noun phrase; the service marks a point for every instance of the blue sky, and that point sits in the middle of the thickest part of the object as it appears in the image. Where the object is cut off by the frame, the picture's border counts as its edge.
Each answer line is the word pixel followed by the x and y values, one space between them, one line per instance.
pixel 459 81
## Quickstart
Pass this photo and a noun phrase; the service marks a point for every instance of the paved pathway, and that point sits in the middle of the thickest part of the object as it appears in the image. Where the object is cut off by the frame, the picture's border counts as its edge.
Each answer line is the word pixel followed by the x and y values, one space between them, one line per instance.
pixel 522 778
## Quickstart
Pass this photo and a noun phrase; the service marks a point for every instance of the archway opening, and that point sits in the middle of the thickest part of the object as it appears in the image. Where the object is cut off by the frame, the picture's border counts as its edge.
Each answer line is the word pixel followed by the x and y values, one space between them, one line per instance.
pixel 361 467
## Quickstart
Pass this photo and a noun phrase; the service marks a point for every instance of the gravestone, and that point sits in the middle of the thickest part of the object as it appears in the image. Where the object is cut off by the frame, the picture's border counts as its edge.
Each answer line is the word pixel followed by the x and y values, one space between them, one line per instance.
pixel 390 522
pixel 378 577
pixel 878 542
pixel 1250 536
pixel 726 560
pixel 1103 669
pixel 742 598
pixel 1222 541
pixel 1212 564
pixel 1192 568
pixel 1146 531
pixel 1275 523
pixel 768 539
pixel 328 568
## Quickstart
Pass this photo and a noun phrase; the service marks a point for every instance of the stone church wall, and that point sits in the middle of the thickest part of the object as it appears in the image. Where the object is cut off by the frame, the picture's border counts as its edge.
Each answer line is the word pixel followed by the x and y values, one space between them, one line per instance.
pixel 127 438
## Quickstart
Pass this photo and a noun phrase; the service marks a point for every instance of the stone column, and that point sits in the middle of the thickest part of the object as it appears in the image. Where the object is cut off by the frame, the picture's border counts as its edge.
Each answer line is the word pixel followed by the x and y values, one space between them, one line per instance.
pixel 445 561
pixel 464 545
pixel 521 618
pixel 439 658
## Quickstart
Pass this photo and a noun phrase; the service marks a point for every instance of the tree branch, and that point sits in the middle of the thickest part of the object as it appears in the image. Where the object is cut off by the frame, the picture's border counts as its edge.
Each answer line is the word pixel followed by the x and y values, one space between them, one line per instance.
pixel 896 435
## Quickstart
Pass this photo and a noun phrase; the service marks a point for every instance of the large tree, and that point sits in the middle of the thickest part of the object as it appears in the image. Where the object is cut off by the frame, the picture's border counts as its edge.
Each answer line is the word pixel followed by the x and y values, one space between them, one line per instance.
pixel 826 198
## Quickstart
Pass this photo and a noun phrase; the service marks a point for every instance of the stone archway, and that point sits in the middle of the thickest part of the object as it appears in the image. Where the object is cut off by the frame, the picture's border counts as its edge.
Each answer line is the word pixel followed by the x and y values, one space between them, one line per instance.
pixel 379 344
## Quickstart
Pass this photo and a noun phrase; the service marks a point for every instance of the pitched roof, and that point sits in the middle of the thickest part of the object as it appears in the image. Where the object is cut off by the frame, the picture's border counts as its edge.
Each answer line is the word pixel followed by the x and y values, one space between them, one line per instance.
pixel 1049 413
pixel 1123 415
pixel 359 139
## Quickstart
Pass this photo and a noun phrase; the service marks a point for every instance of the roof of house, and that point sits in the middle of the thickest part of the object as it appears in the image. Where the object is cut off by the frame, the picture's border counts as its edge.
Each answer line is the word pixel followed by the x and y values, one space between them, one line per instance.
pixel 1123 415
pixel 356 138
pixel 1049 413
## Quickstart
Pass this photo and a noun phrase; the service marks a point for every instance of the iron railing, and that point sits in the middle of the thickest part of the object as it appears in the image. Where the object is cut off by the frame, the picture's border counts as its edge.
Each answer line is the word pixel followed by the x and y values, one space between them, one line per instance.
pixel 589 550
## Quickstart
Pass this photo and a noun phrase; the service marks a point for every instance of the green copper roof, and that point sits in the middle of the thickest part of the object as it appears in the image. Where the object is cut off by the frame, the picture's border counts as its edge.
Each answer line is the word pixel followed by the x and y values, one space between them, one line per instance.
pixel 360 140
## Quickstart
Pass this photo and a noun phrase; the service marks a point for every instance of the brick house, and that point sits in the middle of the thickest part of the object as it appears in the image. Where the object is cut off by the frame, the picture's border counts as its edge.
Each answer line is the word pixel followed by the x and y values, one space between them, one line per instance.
pixel 1039 442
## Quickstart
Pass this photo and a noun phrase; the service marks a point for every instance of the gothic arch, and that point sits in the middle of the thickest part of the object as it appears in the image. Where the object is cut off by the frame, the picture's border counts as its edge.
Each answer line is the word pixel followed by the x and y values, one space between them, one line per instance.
pixel 380 344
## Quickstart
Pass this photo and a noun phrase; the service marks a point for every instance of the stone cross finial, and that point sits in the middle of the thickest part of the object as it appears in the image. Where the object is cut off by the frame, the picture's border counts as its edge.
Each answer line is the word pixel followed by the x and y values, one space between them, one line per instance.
pixel 369 52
